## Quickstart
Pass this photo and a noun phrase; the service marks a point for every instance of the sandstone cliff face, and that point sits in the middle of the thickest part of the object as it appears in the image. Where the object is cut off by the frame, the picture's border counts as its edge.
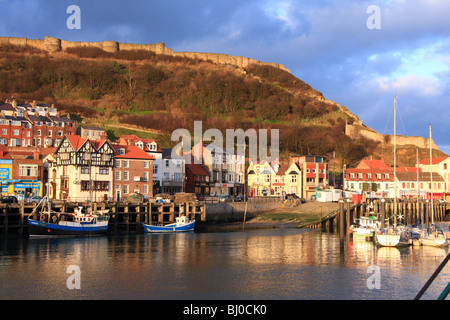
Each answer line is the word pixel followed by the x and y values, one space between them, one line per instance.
pixel 356 131
pixel 53 45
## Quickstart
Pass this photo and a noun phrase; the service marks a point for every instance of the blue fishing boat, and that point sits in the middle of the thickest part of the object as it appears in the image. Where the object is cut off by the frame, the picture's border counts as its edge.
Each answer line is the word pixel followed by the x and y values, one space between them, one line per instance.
pixel 81 224
pixel 182 224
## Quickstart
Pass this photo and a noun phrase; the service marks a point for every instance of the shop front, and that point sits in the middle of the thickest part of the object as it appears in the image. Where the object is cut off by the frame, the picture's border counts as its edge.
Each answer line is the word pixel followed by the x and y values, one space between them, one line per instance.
pixel 24 189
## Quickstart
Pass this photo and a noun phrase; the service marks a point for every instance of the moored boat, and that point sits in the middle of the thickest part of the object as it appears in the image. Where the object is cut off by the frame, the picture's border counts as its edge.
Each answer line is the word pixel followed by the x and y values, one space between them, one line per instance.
pixel 365 228
pixel 393 237
pixel 182 224
pixel 433 237
pixel 81 224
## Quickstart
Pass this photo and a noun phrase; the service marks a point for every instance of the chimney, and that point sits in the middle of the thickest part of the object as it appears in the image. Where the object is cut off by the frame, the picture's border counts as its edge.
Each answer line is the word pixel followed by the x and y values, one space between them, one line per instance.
pixel 36 155
pixel 103 136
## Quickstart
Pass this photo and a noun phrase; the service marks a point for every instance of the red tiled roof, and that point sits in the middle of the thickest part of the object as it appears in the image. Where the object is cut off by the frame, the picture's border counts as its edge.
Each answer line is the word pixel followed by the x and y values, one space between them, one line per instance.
pixel 76 141
pixel 434 161
pixel 131 152
pixel 374 164
pixel 197 169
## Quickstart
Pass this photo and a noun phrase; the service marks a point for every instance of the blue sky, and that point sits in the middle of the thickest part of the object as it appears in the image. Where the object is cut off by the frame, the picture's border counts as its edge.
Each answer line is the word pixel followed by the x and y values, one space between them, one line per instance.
pixel 325 43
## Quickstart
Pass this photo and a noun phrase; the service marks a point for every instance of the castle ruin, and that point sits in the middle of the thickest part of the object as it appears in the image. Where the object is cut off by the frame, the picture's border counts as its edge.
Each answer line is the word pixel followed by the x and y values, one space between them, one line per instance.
pixel 51 45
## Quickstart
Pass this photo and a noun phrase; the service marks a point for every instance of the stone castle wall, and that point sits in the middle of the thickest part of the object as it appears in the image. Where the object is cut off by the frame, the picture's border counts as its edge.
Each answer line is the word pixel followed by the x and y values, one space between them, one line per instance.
pixel 51 44
pixel 356 131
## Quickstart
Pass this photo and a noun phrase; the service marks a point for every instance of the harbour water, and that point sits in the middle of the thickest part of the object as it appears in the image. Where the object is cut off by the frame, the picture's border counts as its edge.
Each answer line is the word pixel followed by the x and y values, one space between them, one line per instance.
pixel 267 264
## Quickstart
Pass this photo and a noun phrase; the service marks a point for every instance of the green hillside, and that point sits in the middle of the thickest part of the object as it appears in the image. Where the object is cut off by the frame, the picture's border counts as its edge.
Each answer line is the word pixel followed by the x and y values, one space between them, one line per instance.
pixel 144 91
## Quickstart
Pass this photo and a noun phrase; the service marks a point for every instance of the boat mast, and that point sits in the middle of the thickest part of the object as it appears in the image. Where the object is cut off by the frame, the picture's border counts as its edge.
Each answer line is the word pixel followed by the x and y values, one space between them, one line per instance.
pixel 395 161
pixel 418 184
pixel 431 179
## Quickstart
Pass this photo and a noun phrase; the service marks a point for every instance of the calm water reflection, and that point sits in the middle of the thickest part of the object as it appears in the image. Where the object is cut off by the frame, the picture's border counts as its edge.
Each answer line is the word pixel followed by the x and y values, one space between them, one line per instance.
pixel 264 264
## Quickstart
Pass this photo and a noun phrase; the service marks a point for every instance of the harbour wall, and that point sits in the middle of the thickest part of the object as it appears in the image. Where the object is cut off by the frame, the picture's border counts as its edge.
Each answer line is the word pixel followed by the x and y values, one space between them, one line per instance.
pixel 235 211
pixel 52 45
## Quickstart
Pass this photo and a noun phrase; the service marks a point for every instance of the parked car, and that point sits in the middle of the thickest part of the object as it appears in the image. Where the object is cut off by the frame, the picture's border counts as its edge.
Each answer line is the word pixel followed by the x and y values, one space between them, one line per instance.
pixel 34 199
pixel 200 197
pixel 292 195
pixel 9 199
pixel 225 198
pixel 239 198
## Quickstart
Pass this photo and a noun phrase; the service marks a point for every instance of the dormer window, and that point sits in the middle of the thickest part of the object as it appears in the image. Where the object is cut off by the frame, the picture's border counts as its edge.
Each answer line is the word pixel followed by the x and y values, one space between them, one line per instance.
pixel 121 151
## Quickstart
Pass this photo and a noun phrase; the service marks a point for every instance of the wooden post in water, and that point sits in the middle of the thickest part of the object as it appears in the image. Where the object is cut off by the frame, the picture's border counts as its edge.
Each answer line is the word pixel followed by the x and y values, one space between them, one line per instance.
pixel 341 223
pixel 383 213
pixel 347 216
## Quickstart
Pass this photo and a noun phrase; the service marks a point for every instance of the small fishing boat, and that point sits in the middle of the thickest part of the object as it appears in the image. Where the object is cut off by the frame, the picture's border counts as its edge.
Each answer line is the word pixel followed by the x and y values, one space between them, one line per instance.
pixel 365 228
pixel 182 224
pixel 80 224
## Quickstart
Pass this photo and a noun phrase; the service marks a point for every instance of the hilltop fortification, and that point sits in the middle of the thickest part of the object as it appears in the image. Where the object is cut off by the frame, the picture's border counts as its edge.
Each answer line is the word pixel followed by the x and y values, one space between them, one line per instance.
pixel 51 45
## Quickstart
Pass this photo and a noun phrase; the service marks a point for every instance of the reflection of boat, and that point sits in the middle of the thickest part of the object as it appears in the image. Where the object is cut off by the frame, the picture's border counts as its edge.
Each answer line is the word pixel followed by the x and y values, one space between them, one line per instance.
pixel 365 228
pixel 182 224
pixel 82 224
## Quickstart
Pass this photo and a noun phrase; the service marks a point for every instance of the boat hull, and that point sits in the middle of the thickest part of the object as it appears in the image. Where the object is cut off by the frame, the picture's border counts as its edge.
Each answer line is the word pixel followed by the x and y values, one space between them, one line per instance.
pixel 364 234
pixel 172 228
pixel 40 228
pixel 391 240
pixel 434 242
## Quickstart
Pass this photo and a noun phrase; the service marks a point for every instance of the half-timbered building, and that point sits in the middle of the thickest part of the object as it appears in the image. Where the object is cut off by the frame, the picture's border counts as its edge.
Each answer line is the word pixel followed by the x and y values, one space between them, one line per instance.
pixel 83 170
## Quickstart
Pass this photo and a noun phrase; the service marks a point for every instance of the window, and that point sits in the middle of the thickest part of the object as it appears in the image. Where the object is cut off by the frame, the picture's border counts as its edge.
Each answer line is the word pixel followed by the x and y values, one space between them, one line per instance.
pixel 4 132
pixel 145 164
pixel 49 133
pixel 85 170
pixel 145 189
pixel 177 176
pixel 167 163
pixel 155 169
pixel 104 171
pixel 27 170
pixel 39 132
pixel 85 185
pixel 117 163
pixel 117 175
pixel 125 163
pixel 125 175
pixel 166 176
pixel 293 178
pixel 101 185
pixel 145 173
pixel 386 176
pixel 125 189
